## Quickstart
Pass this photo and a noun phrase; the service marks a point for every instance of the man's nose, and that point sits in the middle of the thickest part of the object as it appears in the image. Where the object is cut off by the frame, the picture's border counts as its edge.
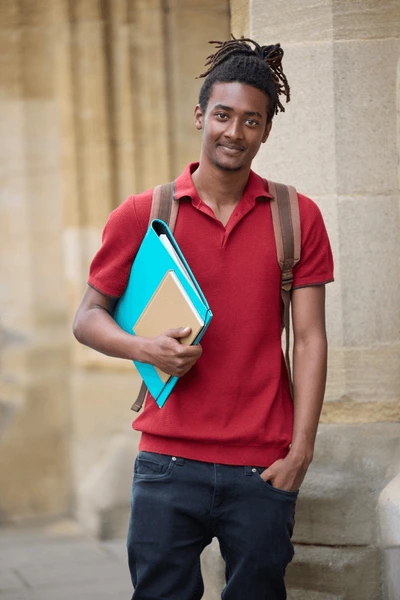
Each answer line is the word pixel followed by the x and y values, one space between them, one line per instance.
pixel 234 129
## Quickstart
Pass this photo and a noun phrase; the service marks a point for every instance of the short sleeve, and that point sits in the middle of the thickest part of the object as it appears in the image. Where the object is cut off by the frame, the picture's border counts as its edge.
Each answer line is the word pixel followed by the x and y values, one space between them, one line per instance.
pixel 316 263
pixel 122 235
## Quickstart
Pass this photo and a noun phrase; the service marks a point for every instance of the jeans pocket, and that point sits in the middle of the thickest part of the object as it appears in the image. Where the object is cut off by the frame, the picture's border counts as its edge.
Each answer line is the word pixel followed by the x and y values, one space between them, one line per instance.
pixel 268 485
pixel 150 465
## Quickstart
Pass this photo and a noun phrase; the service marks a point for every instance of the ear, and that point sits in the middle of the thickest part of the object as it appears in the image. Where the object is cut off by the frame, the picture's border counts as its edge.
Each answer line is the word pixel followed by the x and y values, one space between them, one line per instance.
pixel 267 131
pixel 198 117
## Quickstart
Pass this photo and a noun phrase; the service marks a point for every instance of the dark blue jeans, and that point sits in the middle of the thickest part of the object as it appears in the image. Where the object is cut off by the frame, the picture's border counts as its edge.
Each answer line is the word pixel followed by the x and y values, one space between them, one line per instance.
pixel 179 505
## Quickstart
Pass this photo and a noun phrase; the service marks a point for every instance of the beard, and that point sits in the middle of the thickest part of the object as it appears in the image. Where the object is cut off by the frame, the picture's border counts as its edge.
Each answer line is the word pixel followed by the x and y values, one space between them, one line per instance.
pixel 225 168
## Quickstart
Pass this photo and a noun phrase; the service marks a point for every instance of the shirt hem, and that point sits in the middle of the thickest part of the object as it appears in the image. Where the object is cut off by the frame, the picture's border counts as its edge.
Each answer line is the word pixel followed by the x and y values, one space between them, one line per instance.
pixel 303 285
pixel 261 456
pixel 90 284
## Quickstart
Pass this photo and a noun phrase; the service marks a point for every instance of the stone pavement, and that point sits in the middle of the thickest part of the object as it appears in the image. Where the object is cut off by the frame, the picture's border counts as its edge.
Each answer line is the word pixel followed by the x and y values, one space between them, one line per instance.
pixel 60 562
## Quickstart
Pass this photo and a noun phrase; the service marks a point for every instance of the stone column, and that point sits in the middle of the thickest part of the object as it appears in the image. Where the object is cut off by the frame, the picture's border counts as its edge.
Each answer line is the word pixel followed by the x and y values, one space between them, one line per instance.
pixel 389 526
pixel 338 143
pixel 34 458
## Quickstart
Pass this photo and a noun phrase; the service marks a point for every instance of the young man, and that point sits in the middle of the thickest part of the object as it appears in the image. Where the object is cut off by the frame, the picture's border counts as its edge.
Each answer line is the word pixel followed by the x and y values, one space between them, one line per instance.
pixel 226 455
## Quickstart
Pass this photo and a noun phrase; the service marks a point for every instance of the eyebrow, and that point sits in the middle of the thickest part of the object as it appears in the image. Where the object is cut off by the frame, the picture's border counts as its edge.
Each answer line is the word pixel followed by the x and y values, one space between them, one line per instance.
pixel 249 113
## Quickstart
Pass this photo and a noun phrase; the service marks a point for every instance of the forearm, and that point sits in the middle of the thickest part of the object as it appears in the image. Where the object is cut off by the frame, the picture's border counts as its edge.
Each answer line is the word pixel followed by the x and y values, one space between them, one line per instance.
pixel 97 329
pixel 94 327
pixel 309 377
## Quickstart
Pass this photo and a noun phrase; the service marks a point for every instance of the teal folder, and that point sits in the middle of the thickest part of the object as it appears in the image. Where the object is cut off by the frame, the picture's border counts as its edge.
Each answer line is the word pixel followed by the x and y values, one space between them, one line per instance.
pixel 151 264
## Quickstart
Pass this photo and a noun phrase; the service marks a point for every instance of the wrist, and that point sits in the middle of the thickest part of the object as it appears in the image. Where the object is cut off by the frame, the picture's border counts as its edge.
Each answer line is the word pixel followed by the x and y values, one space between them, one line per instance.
pixel 141 349
pixel 301 456
pixel 302 446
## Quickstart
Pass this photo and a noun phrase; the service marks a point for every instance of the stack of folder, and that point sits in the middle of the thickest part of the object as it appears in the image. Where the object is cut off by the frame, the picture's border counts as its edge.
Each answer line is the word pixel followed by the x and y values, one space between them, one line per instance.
pixel 162 293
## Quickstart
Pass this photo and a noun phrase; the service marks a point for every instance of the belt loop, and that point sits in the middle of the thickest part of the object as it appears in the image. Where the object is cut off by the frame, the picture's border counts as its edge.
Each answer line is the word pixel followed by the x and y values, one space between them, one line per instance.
pixel 247 470
pixel 179 460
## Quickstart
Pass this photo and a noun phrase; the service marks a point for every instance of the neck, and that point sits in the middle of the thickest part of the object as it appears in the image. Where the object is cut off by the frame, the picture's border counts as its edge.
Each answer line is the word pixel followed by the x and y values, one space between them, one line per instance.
pixel 218 187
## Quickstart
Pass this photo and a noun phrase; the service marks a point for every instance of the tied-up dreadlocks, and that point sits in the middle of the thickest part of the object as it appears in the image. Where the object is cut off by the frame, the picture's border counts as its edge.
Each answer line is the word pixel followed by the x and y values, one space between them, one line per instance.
pixel 271 55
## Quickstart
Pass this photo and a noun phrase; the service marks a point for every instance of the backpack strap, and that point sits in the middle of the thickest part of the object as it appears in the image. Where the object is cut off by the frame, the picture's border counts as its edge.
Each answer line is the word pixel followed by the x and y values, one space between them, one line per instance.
pixel 286 221
pixel 164 206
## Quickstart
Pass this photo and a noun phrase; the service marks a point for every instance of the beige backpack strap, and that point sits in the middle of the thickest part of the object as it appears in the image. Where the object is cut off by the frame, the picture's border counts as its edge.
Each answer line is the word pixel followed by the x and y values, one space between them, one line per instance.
pixel 287 231
pixel 164 206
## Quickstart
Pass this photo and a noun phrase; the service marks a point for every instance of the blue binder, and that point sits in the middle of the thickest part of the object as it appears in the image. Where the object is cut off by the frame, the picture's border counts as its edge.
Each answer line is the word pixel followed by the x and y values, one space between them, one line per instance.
pixel 148 269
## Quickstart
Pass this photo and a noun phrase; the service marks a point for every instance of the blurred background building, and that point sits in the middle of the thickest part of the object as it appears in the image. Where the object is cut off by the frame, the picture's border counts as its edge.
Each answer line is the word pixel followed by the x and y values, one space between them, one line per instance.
pixel 96 100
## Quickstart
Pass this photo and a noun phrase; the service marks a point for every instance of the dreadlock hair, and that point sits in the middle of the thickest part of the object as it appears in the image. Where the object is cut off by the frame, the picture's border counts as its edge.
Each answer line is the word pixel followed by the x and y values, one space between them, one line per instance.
pixel 236 61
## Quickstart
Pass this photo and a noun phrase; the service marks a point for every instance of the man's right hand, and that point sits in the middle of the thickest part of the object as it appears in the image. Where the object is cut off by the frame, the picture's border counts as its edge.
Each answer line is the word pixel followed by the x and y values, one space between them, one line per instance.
pixel 167 353
pixel 95 327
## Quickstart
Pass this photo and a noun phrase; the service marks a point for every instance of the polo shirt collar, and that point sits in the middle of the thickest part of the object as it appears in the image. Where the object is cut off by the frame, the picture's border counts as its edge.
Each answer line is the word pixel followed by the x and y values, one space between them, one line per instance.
pixel 184 187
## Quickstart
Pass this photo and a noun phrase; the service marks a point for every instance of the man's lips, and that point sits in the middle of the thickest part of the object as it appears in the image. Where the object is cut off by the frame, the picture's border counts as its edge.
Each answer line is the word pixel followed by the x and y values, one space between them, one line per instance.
pixel 232 147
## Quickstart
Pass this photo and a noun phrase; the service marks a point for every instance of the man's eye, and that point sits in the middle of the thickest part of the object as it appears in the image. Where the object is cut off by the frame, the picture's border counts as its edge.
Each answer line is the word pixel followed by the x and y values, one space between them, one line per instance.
pixel 251 122
pixel 222 116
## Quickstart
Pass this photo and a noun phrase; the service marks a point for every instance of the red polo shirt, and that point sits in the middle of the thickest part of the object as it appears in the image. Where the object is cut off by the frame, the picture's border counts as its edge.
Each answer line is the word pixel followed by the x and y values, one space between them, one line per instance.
pixel 234 405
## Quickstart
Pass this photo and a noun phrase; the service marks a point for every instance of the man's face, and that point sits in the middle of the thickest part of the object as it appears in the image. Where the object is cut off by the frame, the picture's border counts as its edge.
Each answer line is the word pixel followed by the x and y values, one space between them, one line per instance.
pixel 234 125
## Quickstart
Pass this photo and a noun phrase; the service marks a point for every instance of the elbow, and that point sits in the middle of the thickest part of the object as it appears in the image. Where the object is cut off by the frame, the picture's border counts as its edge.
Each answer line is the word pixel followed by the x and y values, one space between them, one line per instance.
pixel 316 346
pixel 77 328
pixel 316 339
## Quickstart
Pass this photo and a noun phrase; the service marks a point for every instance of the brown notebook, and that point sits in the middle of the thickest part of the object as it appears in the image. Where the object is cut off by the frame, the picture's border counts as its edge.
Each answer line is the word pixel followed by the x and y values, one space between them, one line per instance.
pixel 168 308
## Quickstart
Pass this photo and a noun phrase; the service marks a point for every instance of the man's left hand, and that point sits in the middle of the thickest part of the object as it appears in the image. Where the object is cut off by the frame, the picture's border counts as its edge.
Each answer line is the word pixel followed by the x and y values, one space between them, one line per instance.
pixel 286 473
